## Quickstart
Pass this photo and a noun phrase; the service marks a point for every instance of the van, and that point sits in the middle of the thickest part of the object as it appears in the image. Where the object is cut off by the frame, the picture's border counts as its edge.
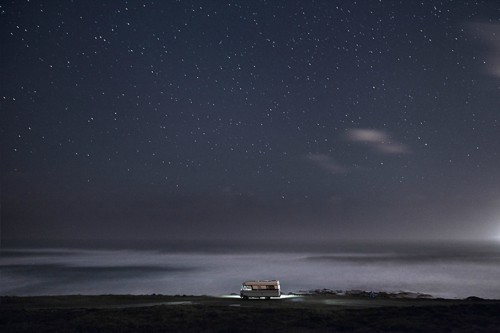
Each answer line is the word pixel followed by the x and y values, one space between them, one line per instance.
pixel 260 288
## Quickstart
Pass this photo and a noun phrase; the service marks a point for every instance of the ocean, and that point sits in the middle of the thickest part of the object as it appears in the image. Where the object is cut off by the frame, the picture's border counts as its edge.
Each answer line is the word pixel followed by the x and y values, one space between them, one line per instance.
pixel 449 269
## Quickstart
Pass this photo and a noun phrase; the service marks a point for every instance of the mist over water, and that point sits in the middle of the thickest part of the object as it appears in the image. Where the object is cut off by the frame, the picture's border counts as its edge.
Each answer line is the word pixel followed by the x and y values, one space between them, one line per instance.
pixel 452 270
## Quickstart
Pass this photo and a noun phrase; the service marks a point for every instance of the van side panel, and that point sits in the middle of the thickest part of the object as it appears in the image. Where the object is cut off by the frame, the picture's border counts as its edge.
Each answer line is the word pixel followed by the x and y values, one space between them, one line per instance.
pixel 266 288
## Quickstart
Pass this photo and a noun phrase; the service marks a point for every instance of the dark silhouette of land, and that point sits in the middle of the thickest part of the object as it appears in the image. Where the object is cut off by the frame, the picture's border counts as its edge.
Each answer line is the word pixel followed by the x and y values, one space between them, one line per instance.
pixel 311 313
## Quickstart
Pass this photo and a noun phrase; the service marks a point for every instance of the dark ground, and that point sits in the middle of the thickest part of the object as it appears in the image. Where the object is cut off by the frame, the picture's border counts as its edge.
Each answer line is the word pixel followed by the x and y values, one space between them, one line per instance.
pixel 157 313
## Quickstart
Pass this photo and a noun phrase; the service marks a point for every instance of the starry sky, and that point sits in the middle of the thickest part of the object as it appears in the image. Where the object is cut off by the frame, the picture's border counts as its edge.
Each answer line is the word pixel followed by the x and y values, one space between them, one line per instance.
pixel 250 119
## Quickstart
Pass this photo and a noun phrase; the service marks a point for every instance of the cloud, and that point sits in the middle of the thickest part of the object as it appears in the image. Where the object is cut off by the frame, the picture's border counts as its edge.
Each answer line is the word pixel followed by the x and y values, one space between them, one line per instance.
pixel 366 135
pixel 326 163
pixel 378 140
pixel 489 35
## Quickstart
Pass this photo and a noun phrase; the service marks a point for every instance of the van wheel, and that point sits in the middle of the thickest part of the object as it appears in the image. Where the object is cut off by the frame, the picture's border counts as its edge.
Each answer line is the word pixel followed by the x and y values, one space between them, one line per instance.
pixel 268 297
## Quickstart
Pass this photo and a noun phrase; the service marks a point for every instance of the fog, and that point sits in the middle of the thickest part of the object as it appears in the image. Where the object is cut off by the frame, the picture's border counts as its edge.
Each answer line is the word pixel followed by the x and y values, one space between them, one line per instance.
pixel 442 271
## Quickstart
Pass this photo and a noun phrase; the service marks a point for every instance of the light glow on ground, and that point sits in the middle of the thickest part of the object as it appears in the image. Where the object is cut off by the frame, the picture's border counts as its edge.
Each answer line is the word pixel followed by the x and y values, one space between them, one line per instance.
pixel 275 298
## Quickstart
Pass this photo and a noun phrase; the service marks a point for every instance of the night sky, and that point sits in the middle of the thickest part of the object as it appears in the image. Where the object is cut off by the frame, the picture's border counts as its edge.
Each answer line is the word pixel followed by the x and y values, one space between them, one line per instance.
pixel 222 120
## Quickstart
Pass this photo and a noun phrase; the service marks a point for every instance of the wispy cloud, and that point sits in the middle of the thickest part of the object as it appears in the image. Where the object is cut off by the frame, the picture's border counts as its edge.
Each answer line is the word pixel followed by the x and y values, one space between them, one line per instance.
pixel 378 140
pixel 489 35
pixel 326 163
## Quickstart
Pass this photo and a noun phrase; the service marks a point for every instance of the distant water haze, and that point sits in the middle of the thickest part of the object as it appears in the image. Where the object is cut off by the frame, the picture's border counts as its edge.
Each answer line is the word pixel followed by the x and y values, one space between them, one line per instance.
pixel 451 270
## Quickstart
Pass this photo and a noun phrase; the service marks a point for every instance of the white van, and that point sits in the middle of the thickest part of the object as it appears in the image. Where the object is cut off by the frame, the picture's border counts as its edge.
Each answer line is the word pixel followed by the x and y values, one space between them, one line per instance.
pixel 260 288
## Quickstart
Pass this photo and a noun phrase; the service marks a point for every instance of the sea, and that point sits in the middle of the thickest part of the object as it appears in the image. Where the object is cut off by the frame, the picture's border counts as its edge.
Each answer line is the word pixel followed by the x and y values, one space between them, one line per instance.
pixel 215 268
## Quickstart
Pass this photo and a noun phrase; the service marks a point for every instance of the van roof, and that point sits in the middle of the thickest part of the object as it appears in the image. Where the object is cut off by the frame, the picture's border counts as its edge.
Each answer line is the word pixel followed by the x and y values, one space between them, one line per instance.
pixel 261 282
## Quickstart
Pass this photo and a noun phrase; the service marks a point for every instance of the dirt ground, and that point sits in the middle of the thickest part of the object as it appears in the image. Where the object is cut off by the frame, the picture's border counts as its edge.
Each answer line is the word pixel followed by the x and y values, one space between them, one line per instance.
pixel 316 313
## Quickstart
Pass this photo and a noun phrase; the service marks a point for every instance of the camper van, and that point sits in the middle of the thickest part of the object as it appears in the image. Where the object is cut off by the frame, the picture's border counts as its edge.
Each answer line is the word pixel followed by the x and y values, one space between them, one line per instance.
pixel 260 288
